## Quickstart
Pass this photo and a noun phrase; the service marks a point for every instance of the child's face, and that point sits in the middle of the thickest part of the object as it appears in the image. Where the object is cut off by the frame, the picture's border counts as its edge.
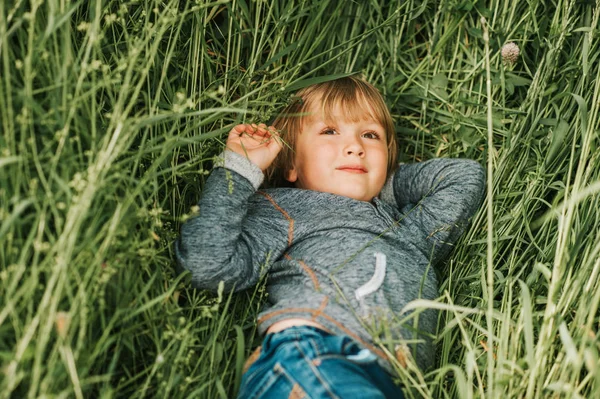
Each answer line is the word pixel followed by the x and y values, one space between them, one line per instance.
pixel 339 156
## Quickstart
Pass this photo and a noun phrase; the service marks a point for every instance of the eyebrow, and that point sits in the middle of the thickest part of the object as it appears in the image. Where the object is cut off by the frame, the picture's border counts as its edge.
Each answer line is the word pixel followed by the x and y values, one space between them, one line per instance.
pixel 374 125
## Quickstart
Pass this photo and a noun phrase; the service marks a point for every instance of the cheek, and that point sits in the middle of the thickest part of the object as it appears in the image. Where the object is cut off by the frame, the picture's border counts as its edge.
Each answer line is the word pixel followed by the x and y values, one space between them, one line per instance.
pixel 304 161
pixel 380 155
pixel 318 155
pixel 382 165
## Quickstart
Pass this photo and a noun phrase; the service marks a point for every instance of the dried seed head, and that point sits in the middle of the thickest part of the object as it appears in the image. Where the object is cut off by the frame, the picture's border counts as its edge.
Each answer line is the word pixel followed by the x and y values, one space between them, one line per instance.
pixel 62 322
pixel 510 53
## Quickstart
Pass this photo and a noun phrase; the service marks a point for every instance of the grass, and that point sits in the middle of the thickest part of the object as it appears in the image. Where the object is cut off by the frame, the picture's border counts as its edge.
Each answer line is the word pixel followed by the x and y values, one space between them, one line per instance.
pixel 112 111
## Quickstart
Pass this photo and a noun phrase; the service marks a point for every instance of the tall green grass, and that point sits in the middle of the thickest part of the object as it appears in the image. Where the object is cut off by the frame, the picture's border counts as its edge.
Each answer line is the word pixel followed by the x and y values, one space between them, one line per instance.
pixel 111 112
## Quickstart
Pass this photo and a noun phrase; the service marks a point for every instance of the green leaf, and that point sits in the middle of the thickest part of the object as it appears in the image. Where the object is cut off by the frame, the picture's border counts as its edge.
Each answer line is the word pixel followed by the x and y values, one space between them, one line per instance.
pixel 440 80
pixel 510 88
pixel 15 216
pixel 517 80
pixel 559 133
pixel 279 55
pixel 528 329
pixel 585 29
pixel 548 121
pixel 569 347
pixel 239 354
pixel 476 32
pixel 297 85
pixel 55 23
pixel 583 111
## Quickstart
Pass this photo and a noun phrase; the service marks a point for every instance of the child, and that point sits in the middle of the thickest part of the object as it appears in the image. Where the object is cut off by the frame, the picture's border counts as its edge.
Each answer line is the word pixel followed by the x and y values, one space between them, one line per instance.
pixel 345 247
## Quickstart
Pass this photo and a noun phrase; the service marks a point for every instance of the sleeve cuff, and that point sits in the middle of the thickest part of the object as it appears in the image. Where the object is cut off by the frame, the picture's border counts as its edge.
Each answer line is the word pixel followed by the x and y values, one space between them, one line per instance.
pixel 241 165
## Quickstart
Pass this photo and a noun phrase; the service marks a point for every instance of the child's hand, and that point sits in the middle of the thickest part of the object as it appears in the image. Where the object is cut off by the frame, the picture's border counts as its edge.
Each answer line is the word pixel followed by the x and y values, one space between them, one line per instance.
pixel 258 143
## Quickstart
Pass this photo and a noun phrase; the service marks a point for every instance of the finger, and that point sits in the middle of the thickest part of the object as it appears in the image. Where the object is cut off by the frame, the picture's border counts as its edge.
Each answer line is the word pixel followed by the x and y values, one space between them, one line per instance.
pixel 246 129
pixel 273 132
pixel 262 130
pixel 235 134
pixel 275 143
pixel 238 129
pixel 259 133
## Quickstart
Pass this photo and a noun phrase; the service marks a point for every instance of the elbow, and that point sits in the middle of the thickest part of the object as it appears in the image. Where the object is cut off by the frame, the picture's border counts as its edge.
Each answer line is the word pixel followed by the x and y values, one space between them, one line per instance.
pixel 211 281
pixel 207 273
pixel 180 257
pixel 479 174
pixel 473 170
pixel 474 176
pixel 192 263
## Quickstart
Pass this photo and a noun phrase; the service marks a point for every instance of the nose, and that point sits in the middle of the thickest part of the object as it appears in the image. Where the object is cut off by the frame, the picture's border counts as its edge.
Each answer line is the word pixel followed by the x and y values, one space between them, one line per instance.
pixel 354 147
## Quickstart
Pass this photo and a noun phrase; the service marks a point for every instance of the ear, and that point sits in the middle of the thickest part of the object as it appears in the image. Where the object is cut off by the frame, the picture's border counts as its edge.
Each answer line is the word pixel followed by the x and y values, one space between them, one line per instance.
pixel 291 175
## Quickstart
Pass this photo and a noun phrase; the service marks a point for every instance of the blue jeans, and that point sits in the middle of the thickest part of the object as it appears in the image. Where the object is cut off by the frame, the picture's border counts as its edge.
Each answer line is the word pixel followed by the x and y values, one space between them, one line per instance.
pixel 306 362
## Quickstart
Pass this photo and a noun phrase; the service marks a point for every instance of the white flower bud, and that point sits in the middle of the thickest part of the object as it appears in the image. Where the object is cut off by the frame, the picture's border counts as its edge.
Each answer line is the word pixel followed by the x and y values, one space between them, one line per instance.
pixel 510 53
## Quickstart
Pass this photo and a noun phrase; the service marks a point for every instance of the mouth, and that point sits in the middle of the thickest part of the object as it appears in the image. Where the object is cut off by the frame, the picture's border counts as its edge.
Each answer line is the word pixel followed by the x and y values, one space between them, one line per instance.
pixel 352 169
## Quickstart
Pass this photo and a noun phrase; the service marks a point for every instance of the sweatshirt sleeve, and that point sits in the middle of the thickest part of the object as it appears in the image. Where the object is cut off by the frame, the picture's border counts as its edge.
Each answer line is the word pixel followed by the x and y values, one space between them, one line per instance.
pixel 439 197
pixel 223 243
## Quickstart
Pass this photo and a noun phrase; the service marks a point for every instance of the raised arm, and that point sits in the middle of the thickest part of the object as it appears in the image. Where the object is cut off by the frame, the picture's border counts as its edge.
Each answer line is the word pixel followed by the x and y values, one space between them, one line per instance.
pixel 439 197
pixel 225 243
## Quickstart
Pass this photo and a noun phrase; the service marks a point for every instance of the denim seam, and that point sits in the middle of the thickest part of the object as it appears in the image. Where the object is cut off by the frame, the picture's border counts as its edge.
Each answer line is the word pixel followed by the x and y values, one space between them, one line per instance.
pixel 292 380
pixel 317 374
pixel 319 346
pixel 275 375
pixel 263 353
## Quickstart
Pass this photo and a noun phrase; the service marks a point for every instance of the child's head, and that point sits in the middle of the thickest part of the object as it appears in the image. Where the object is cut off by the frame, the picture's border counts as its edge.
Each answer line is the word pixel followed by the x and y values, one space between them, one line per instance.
pixel 339 138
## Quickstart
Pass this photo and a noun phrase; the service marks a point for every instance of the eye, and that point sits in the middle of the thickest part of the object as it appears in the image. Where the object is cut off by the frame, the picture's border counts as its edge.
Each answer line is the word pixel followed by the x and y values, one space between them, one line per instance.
pixel 328 131
pixel 371 135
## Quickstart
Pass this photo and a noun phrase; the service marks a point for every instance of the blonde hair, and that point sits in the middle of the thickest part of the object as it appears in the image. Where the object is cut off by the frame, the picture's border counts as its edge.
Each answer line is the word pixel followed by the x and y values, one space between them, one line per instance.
pixel 355 97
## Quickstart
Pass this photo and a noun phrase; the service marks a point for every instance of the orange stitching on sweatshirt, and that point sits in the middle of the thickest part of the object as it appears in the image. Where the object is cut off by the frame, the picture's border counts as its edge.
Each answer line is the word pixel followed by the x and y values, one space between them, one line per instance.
pixel 281 311
pixel 312 275
pixel 319 311
pixel 308 270
pixel 285 215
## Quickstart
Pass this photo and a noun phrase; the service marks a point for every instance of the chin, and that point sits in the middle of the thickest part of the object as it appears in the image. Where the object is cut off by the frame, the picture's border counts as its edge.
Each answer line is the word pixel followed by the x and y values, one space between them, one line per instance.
pixel 359 196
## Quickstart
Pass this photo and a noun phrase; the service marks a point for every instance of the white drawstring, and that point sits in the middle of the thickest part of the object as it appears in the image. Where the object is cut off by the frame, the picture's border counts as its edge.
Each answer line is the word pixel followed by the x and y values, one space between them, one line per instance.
pixel 376 281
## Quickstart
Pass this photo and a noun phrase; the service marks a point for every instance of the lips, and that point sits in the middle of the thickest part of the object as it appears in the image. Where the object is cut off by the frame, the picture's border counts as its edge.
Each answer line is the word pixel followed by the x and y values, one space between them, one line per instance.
pixel 352 168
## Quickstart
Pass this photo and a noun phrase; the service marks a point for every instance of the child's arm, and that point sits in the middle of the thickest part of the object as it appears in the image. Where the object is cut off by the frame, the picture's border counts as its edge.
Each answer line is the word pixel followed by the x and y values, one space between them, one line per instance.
pixel 219 245
pixel 439 197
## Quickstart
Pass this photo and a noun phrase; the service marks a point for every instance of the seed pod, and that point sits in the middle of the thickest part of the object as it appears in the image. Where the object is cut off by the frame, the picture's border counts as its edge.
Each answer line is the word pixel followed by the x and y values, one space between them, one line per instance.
pixel 62 322
pixel 510 53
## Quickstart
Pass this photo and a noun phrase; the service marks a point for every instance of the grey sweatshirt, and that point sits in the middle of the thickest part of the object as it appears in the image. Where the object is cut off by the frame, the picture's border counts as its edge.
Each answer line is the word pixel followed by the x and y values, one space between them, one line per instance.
pixel 348 265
